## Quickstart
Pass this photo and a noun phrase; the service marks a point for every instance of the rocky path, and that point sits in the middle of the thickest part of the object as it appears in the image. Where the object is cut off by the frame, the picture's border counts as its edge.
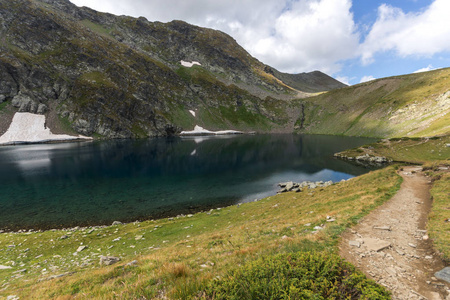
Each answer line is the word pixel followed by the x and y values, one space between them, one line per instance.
pixel 391 244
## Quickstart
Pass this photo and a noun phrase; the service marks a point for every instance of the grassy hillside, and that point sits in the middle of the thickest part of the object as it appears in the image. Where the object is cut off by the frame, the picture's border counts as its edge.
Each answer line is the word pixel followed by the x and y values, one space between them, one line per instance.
pixel 409 150
pixel 410 105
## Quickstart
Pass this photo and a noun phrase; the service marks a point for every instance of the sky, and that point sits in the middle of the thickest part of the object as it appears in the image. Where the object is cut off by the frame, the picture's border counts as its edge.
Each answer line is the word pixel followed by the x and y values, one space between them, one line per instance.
pixel 352 40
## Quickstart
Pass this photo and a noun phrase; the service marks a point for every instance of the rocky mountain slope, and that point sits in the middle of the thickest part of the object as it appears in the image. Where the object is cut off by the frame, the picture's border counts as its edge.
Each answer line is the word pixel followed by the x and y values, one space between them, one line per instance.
pixel 119 77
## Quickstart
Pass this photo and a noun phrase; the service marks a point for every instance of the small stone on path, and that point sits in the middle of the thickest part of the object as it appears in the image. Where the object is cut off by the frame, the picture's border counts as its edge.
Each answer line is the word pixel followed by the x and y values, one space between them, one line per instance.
pixel 354 244
pixel 387 228
pixel 375 244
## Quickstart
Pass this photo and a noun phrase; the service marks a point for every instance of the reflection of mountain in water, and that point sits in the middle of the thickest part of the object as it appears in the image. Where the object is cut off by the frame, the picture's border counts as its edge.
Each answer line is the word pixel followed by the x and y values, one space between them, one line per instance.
pixel 70 184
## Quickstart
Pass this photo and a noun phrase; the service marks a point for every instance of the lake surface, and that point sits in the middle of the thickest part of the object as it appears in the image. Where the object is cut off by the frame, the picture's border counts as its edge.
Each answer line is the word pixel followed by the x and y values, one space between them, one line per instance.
pixel 92 183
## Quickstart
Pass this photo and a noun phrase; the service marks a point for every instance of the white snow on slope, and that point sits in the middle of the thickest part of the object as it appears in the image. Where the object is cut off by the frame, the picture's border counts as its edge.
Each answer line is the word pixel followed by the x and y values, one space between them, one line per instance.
pixel 30 128
pixel 202 131
pixel 192 112
pixel 189 64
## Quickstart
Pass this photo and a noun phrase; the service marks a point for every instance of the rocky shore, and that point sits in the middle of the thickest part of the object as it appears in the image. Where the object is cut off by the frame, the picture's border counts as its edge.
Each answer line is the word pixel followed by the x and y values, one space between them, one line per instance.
pixel 365 159
pixel 291 186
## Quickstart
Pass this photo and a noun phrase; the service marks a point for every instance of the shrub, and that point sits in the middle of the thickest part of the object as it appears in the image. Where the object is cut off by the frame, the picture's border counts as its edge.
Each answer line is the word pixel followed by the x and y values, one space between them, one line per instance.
pixel 301 275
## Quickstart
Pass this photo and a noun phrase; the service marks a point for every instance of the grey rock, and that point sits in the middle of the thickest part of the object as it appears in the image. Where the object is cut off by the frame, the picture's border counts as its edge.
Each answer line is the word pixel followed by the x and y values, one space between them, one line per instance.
pixel 133 263
pixel 387 228
pixel 116 223
pixel 108 260
pixel 354 244
pixel 443 274
pixel 289 186
pixel 375 244
pixel 5 267
pixel 41 109
pixel 24 103
pixel 81 248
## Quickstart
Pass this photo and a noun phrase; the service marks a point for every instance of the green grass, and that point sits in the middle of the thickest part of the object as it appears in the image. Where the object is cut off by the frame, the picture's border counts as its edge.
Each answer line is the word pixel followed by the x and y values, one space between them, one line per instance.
pixel 410 150
pixel 181 256
pixel 301 275
pixel 97 28
pixel 439 218
pixel 3 105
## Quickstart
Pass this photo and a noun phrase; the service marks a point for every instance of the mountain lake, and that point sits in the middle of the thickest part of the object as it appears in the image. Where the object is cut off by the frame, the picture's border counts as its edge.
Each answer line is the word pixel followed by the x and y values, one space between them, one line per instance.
pixel 45 186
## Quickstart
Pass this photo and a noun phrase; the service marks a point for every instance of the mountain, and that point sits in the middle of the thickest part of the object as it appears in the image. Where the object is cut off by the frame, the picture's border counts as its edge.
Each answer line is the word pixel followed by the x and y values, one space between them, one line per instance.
pixel 414 105
pixel 113 76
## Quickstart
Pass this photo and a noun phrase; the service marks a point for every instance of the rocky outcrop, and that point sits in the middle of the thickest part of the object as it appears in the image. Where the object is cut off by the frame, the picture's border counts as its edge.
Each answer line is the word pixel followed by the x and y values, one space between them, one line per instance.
pixel 365 159
pixel 291 186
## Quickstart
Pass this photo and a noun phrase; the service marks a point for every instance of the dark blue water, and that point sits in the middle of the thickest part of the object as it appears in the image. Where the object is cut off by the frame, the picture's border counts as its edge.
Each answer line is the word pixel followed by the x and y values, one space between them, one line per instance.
pixel 92 183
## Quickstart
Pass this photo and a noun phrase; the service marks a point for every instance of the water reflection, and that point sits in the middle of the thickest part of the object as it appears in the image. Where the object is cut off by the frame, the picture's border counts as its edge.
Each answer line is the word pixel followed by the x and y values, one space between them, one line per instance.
pixel 97 182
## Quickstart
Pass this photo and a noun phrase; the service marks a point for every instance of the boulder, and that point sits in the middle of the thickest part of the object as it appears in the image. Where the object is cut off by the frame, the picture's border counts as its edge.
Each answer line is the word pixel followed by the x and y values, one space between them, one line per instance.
pixel 289 186
pixel 443 274
pixel 108 260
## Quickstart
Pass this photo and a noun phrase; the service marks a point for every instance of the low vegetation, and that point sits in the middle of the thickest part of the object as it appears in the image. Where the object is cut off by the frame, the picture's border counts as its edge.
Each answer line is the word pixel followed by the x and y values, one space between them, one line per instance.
pixel 439 218
pixel 296 276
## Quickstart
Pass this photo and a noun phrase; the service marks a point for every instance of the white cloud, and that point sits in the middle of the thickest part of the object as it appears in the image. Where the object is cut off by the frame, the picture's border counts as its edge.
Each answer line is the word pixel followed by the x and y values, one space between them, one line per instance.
pixel 344 79
pixel 426 69
pixel 292 36
pixel 423 33
pixel 304 35
pixel 367 78
pixel 311 35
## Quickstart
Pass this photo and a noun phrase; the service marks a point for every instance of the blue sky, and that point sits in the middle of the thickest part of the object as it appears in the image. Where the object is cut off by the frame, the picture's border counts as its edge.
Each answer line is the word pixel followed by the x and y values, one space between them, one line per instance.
pixel 351 40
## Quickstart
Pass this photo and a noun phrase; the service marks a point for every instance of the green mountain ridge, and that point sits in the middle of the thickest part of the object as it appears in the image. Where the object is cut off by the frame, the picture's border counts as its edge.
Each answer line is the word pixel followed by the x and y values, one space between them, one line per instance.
pixel 121 77
pixel 110 76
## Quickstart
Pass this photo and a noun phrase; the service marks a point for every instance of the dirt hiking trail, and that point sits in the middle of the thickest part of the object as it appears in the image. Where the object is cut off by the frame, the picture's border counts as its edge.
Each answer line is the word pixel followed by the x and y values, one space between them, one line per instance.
pixel 391 244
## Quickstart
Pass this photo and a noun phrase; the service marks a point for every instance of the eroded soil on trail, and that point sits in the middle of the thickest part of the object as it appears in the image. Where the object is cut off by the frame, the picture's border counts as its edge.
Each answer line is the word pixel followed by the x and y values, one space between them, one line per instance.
pixel 391 244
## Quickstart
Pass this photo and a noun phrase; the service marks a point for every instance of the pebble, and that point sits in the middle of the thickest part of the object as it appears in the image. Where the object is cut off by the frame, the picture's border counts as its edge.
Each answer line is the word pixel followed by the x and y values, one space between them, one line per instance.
pixel 81 248
pixel 133 263
pixel 412 245
pixel 354 244
pixel 5 267
pixel 387 228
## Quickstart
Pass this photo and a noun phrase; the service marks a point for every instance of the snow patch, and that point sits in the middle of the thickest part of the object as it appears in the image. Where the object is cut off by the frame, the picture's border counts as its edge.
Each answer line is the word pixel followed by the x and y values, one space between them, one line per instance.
pixel 192 112
pixel 31 128
pixel 198 130
pixel 189 64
